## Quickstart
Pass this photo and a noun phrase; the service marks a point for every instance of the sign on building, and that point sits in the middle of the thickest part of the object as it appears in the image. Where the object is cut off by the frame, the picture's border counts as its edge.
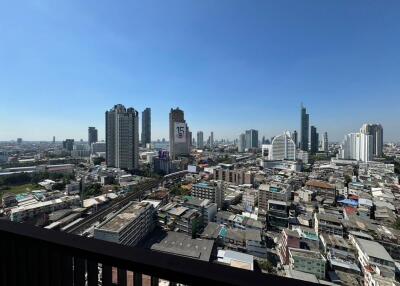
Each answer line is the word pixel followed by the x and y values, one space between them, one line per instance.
pixel 180 132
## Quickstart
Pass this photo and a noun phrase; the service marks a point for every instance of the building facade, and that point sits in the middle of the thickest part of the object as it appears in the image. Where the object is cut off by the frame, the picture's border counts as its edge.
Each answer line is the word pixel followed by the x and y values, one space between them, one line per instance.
pixel 92 135
pixel 242 143
pixel 251 139
pixel 314 140
pixel 325 144
pixel 200 140
pixel 283 148
pixel 211 191
pixel 146 127
pixel 179 141
pixel 122 138
pixel 357 146
pixel 376 131
pixel 304 129
pixel 129 225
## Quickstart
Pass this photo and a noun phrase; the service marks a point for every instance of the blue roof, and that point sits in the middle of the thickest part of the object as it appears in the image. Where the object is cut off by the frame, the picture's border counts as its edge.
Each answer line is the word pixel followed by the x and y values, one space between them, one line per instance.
pixel 349 202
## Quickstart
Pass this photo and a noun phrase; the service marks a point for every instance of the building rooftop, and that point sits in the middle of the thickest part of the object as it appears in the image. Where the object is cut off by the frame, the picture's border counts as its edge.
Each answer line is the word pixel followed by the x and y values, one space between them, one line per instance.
pixel 374 249
pixel 335 241
pixel 319 184
pixel 306 253
pixel 211 231
pixel 236 259
pixel 182 245
pixel 124 217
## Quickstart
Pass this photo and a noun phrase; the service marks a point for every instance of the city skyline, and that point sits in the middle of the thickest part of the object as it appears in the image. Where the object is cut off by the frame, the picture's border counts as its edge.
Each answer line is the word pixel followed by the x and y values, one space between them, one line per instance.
pixel 141 56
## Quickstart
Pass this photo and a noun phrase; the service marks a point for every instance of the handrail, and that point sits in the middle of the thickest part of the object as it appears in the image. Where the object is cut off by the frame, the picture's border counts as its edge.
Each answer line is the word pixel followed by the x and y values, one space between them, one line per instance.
pixel 165 266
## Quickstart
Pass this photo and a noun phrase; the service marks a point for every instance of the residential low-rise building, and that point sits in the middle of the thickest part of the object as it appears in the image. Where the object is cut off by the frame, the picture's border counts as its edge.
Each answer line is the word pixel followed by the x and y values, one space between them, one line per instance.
pixel 307 261
pixel 212 191
pixel 129 225
pixel 330 224
pixel 24 212
pixel 206 208
pixel 273 191
pixel 278 214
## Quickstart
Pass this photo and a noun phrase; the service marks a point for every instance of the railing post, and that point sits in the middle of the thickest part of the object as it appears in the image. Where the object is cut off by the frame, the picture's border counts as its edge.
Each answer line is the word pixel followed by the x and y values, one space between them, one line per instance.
pixel 106 275
pixel 137 279
pixel 154 281
pixel 121 273
pixel 92 273
pixel 79 271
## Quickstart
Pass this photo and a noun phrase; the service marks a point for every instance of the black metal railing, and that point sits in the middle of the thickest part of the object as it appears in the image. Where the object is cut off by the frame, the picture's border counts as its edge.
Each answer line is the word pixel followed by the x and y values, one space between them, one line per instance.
pixel 34 256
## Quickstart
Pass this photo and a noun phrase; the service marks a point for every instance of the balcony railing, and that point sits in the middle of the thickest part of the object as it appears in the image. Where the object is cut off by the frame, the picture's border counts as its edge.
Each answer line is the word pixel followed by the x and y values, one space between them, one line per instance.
pixel 34 256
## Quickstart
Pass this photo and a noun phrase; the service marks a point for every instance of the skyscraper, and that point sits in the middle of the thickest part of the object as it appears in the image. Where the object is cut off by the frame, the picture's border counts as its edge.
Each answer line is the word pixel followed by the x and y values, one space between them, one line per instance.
pixel 200 140
pixel 212 140
pixel 68 144
pixel 242 143
pixel 325 144
pixel 178 134
pixel 283 148
pixel 357 146
pixel 304 129
pixel 251 139
pixel 146 127
pixel 376 131
pixel 92 135
pixel 294 138
pixel 314 140
pixel 122 137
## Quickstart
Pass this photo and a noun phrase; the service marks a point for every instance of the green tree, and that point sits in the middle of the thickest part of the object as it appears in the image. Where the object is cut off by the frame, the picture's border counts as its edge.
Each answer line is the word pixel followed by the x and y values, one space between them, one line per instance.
pixel 396 224
pixel 267 266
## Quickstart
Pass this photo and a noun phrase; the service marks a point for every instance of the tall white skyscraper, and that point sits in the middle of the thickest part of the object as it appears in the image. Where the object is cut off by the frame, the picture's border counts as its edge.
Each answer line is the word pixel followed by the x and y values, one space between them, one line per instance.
pixel 242 143
pixel 212 140
pixel 282 148
pixel 325 144
pixel 122 138
pixel 200 140
pixel 357 146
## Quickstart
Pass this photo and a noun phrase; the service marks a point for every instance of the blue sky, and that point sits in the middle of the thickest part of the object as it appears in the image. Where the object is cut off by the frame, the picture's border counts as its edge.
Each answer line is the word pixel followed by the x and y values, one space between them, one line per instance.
pixel 230 65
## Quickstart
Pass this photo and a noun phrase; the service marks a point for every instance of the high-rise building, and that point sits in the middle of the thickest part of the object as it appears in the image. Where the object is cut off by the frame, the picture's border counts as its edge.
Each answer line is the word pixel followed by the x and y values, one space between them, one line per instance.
pixel 92 135
pixel 146 127
pixel 314 140
pixel 212 140
pixel 304 129
pixel 200 140
pixel 282 148
pixel 68 144
pixel 122 137
pixel 54 139
pixel 179 140
pixel 19 140
pixel 251 139
pixel 295 138
pixel 242 143
pixel 263 140
pixel 357 146
pixel 325 144
pixel 376 131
